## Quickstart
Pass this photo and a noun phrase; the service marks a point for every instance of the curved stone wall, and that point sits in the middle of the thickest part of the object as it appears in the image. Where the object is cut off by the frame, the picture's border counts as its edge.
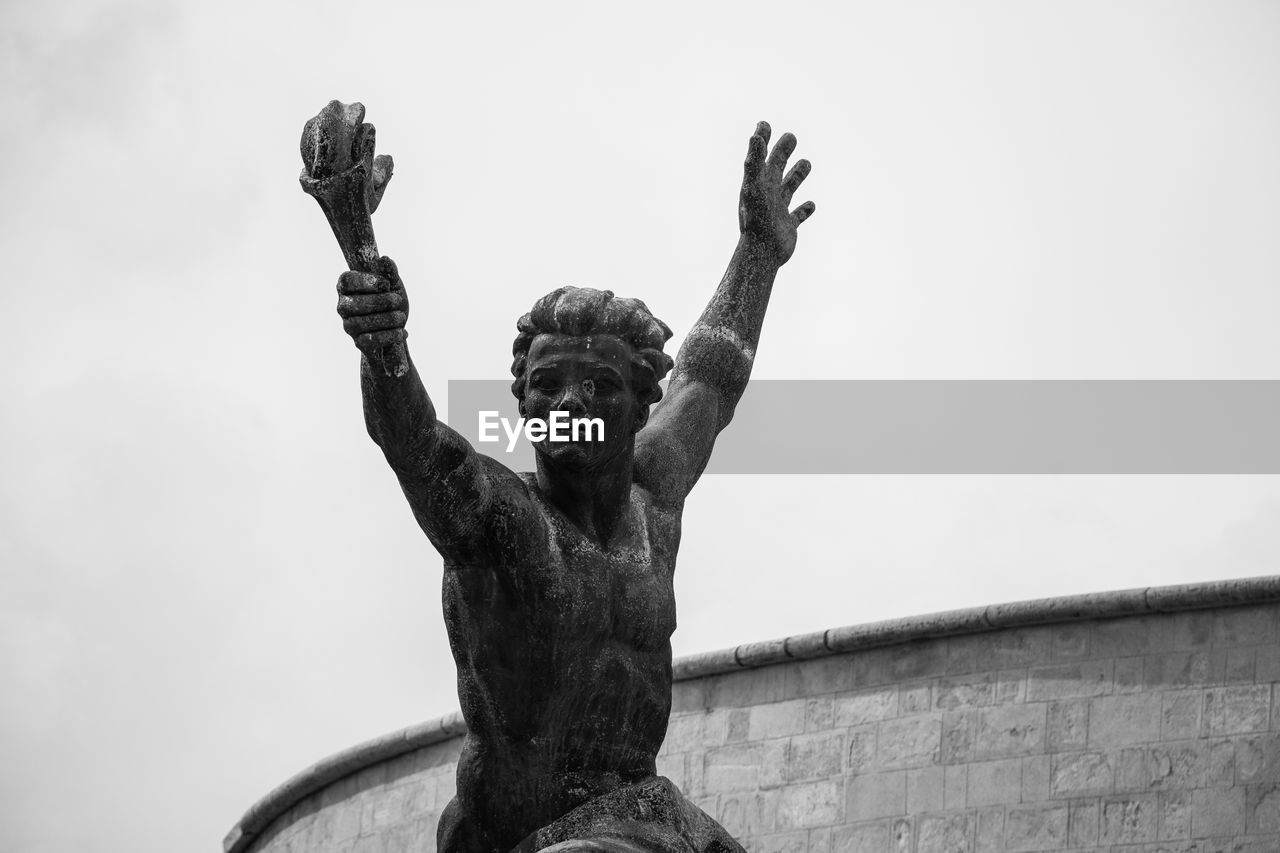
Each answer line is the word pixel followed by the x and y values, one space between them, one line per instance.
pixel 1145 721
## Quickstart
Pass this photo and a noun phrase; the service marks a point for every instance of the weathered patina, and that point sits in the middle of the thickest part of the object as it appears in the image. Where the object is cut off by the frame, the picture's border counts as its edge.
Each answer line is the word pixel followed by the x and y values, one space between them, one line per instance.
pixel 558 593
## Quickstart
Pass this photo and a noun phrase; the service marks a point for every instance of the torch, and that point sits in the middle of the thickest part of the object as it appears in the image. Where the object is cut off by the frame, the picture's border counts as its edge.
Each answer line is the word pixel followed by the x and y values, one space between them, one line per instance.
pixel 342 174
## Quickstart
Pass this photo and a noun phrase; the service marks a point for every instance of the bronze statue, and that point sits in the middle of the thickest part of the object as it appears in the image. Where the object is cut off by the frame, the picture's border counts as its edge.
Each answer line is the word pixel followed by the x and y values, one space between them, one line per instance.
pixel 558 584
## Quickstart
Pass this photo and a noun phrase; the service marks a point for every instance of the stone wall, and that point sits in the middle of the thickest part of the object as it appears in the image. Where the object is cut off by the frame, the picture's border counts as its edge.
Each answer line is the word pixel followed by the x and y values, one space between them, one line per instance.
pixel 1141 733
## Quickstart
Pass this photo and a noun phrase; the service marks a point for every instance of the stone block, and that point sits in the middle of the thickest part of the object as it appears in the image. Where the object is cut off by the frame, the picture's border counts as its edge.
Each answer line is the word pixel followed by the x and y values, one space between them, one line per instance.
pixel 812 804
pixel 946 833
pixel 1129 819
pixel 974 690
pixel 1174 820
pixel 1241 665
pixel 715 726
pixel 1068 724
pixel 865 706
pixel 346 821
pixel 1163 767
pixel 672 766
pixel 1071 641
pixel 1245 626
pixel 1035 827
pixel 747 688
pixel 1121 638
pixel 819 713
pixel 1010 730
pixel 820 676
pixel 777 719
pixel 959 736
pixel 689 696
pixel 407 837
pixel 709 804
pixel 1217 812
pixel 363 844
pixel 446 787
pixel 990 834
pixel 1000 650
pixel 745 767
pixel 872 837
pixel 909 742
pixel 1011 686
pixel 1237 710
pixel 1035 778
pixel 1267 663
pixel 895 664
pixel 926 790
pixel 862 748
pixel 902 833
pixel 685 733
pixel 915 698
pixel 1070 680
pixel 1180 714
pixel 1258 758
pixel 1262 804
pixel 876 795
pixel 695 775
pixel 383 809
pixel 1193 630
pixel 420 797
pixel 738 725
pixel 817 756
pixel 1184 669
pixel 955 783
pixel 1083 823
pixel 820 840
pixel 1129 674
pixel 1116 721
pixel 1081 774
pixel 796 841
pixel 993 783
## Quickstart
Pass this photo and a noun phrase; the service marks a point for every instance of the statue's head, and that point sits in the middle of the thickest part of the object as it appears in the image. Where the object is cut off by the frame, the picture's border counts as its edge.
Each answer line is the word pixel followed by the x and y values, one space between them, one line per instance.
pixel 593 355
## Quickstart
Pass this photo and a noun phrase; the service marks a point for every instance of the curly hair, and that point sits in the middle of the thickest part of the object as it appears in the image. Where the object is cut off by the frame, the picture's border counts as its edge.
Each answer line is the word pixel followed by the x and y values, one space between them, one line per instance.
pixel 587 311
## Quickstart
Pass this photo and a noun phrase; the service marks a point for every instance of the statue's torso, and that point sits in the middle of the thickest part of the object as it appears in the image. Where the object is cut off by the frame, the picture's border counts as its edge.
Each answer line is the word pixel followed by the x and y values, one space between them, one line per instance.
pixel 564 662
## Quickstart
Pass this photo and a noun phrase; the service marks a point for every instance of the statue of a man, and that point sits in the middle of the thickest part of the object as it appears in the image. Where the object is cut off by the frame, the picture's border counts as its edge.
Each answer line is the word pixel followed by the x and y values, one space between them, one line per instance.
pixel 558 584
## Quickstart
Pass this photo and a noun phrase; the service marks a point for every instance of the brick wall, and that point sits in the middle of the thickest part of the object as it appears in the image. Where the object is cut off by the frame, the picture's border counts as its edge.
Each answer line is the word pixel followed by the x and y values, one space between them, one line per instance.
pixel 1157 733
pixel 1134 735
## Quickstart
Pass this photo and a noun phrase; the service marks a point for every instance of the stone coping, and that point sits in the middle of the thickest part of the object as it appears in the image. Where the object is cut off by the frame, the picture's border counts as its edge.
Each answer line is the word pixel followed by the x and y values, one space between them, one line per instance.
pixel 1045 611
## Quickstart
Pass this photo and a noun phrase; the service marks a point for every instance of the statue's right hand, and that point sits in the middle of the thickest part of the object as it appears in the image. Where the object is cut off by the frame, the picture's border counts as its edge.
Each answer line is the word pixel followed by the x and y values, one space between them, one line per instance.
pixel 373 308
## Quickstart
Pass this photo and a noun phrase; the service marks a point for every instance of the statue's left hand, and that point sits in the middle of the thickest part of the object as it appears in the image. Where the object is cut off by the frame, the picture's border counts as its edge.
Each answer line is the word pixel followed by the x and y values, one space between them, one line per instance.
pixel 766 193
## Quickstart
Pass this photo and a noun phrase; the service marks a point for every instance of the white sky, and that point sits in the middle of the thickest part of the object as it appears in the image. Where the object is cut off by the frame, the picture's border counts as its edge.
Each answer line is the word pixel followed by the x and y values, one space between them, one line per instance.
pixel 208 580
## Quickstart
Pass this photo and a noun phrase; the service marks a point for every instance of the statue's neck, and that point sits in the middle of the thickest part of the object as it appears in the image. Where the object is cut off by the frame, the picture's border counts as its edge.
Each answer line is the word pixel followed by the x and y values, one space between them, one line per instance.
pixel 597 500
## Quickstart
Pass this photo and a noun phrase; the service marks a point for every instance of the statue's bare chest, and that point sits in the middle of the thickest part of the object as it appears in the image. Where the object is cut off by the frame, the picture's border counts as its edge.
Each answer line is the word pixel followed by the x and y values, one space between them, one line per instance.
pixel 622 590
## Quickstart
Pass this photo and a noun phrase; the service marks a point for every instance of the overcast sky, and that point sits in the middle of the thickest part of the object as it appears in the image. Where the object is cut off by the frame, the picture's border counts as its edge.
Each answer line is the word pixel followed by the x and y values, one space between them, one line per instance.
pixel 208 579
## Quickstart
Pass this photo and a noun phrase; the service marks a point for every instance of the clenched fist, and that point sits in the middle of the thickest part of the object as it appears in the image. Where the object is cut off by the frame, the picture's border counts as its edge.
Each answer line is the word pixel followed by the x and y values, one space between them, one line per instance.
pixel 374 308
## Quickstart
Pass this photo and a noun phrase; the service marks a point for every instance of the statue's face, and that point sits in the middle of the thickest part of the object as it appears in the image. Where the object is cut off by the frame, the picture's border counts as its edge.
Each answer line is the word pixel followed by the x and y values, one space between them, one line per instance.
pixel 586 376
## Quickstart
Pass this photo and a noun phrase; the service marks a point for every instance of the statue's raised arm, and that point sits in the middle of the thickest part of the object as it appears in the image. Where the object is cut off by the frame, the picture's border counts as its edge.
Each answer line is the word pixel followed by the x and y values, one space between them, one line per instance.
pixel 714 364
pixel 450 487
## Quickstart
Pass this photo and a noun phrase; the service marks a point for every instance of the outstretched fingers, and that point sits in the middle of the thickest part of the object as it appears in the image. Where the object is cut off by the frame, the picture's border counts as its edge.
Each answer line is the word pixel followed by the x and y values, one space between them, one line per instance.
pixel 795 177
pixel 756 148
pixel 781 151
pixel 804 211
